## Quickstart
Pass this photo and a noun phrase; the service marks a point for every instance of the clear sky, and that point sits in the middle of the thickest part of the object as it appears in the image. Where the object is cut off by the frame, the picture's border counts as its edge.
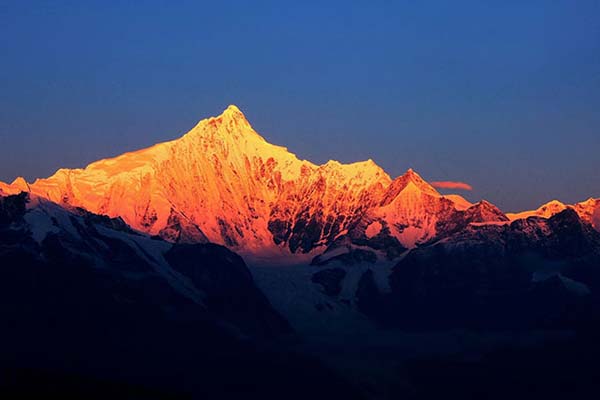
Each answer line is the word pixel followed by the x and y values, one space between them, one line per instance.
pixel 503 95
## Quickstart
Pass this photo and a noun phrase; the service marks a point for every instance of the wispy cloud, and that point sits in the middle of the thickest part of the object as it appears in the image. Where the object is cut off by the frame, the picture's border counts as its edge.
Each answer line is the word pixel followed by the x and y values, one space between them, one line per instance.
pixel 452 185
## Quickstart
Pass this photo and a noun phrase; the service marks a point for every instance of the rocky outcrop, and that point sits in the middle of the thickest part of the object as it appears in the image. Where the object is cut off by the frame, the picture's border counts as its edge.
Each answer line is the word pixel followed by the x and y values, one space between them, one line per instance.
pixel 533 273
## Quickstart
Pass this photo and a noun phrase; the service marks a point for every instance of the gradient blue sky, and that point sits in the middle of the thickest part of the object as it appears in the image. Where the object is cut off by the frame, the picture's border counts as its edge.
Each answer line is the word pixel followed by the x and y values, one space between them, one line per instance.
pixel 504 95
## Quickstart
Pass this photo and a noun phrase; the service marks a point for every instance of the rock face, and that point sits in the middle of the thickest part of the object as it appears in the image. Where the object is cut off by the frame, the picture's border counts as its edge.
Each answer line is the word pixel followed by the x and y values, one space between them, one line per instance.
pixel 222 182
pixel 229 292
pixel 123 269
pixel 532 273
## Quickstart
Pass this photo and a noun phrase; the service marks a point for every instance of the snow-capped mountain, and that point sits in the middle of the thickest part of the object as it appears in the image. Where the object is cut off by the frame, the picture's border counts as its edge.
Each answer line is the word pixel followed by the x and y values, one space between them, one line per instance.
pixel 223 183
pixel 588 210
pixel 128 253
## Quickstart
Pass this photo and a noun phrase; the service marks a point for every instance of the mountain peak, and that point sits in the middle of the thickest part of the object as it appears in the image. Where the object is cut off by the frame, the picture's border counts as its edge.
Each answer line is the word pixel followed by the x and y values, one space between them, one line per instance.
pixel 412 179
pixel 17 186
pixel 233 115
pixel 21 184
pixel 233 107
pixel 411 176
pixel 231 123
pixel 551 208
pixel 589 201
pixel 545 211
pixel 233 111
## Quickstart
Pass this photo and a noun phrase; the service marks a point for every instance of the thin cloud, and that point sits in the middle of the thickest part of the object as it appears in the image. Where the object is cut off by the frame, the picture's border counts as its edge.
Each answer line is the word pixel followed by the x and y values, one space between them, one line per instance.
pixel 452 185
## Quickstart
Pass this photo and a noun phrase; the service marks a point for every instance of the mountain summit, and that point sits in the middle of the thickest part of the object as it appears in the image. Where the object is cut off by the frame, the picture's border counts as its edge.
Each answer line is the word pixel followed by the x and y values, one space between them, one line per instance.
pixel 222 182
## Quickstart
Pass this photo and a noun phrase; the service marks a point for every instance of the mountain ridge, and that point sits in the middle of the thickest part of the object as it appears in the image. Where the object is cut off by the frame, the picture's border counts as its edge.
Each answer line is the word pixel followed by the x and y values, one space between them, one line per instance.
pixel 222 182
